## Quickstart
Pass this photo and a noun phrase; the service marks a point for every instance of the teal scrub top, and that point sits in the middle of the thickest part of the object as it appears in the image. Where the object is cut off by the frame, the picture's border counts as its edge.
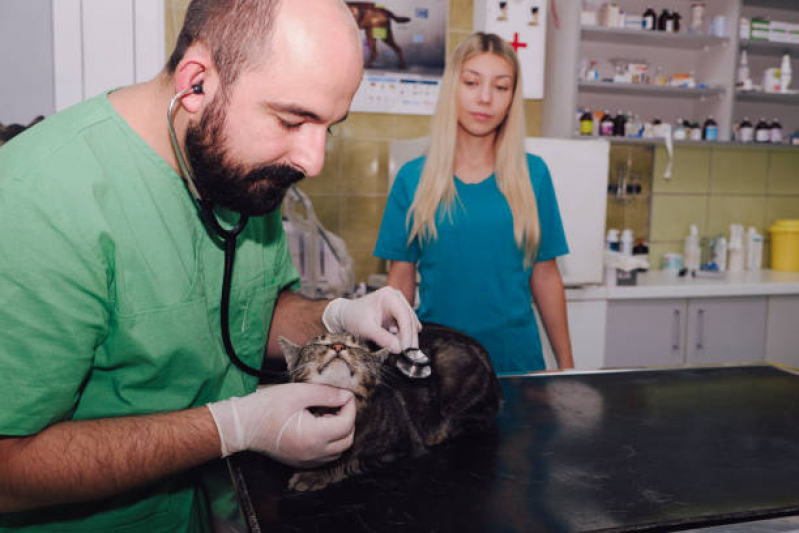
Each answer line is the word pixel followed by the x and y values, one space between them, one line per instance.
pixel 473 276
pixel 109 299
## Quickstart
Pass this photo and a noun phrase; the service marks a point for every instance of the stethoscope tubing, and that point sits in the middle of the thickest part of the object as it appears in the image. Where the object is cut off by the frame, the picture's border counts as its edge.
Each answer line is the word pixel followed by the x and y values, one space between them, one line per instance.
pixel 228 236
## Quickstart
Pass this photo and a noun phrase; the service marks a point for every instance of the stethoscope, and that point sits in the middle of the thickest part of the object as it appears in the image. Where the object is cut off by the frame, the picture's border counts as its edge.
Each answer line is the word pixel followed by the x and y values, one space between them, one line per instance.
pixel 228 236
pixel 414 366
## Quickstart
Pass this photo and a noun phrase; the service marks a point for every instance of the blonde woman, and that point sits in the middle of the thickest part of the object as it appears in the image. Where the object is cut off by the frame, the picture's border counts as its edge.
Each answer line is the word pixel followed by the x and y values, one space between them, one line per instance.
pixel 478 217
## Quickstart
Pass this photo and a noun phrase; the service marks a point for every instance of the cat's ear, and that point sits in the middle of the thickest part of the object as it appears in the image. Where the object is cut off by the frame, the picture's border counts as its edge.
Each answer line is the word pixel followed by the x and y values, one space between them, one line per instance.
pixel 381 355
pixel 291 351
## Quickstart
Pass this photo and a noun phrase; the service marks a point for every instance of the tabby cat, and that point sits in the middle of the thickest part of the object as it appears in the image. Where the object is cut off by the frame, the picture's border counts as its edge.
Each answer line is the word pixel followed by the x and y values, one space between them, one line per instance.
pixel 397 416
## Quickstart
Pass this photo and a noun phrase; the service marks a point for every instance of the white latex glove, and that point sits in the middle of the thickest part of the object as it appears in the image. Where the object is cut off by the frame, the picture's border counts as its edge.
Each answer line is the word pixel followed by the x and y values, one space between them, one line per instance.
pixel 370 317
pixel 274 420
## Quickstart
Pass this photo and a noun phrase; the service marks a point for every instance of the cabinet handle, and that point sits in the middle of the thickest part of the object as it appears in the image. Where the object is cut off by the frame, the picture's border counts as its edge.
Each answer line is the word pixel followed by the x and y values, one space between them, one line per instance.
pixel 675 335
pixel 700 322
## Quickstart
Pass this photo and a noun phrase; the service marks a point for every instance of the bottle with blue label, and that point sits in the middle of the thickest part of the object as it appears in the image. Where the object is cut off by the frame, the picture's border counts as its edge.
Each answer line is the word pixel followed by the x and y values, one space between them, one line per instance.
pixel 710 130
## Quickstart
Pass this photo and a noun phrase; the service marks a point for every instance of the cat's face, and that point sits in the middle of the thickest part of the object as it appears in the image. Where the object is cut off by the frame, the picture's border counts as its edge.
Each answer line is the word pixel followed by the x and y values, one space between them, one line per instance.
pixel 339 360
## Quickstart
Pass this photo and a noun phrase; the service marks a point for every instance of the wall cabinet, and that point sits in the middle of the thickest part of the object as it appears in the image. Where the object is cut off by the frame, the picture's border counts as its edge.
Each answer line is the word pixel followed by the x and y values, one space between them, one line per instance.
pixel 712 59
pixel 673 332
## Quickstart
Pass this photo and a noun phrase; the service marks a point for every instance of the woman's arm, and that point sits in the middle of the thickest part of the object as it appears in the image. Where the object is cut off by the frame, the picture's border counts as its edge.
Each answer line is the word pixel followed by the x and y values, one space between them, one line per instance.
pixel 402 276
pixel 546 287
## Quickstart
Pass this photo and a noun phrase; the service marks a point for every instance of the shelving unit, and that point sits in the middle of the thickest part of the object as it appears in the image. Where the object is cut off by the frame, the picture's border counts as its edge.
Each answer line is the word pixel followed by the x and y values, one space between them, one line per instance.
pixel 712 59
pixel 763 55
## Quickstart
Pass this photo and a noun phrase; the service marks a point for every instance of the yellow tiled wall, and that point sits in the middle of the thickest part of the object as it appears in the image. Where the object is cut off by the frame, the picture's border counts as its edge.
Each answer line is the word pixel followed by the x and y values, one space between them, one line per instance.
pixel 350 193
pixel 718 186
pixel 631 209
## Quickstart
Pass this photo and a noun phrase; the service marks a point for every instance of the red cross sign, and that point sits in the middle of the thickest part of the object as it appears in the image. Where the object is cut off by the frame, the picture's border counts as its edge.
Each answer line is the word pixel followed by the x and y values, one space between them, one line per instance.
pixel 516 44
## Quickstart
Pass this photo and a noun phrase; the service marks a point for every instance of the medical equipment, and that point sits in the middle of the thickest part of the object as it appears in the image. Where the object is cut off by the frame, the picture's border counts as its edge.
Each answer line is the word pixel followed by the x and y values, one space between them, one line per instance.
pixel 228 236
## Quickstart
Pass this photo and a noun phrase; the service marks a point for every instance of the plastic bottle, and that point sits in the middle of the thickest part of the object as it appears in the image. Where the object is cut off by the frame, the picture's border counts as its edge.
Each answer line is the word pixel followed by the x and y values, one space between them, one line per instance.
pixel 785 73
pixel 743 70
pixel 696 131
pixel 612 244
pixel 627 242
pixel 754 249
pixel 710 130
pixel 720 253
pixel 691 250
pixel 612 240
pixel 762 131
pixel 736 248
pixel 632 127
pixel 746 132
pixel 586 123
pixel 650 19
pixel 776 132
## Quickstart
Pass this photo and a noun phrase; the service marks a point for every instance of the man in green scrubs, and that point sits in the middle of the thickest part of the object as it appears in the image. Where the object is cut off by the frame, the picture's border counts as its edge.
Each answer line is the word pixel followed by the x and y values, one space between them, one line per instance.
pixel 114 383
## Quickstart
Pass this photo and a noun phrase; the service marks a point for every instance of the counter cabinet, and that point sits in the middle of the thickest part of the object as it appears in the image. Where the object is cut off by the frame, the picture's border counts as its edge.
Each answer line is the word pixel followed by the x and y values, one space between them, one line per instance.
pixel 695 331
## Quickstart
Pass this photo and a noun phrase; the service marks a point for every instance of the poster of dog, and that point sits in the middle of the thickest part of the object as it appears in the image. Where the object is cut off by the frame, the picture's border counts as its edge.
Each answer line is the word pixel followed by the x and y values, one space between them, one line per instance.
pixel 404 52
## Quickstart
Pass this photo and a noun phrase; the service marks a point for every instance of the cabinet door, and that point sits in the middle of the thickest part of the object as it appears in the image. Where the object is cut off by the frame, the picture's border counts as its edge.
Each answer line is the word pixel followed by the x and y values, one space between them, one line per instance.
pixel 645 333
pixel 726 330
pixel 782 338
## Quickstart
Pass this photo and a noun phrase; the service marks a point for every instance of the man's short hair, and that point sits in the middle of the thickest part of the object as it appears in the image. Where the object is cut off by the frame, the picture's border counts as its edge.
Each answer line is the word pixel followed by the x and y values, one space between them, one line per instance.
pixel 237 32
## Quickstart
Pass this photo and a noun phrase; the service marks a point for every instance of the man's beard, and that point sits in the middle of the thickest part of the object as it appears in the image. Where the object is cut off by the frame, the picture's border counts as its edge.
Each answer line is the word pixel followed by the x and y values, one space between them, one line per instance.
pixel 249 191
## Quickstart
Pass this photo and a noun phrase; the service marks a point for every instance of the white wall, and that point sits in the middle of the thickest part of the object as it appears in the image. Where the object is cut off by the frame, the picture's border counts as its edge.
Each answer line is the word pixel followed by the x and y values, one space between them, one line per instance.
pixel 26 60
pixel 54 54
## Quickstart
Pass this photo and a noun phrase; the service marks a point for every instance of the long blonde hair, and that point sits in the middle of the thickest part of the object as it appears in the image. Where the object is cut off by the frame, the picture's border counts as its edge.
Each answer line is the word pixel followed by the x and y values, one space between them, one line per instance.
pixel 437 185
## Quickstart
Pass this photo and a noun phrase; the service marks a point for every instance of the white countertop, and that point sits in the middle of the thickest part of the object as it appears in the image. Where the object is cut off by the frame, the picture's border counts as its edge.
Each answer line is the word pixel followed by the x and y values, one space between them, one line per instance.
pixel 660 284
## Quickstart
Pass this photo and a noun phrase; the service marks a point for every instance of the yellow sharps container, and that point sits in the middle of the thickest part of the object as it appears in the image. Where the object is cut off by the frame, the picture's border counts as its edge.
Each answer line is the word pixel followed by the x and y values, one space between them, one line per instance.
pixel 785 245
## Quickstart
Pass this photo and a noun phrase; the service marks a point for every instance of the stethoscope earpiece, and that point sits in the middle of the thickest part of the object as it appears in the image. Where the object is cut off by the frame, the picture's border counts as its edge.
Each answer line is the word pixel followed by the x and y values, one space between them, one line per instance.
pixel 197 88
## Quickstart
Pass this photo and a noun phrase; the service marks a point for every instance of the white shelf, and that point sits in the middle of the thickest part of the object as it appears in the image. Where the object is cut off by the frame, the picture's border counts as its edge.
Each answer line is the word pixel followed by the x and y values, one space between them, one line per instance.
pixel 633 89
pixel 771 98
pixel 657 141
pixel 768 48
pixel 688 41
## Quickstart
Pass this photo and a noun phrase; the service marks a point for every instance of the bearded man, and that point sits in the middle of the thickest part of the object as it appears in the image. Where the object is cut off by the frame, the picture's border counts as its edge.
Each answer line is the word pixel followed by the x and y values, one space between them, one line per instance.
pixel 115 382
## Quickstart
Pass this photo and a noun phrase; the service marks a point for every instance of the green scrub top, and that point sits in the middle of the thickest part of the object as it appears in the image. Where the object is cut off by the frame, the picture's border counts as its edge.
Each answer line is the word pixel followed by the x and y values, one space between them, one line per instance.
pixel 473 276
pixel 109 299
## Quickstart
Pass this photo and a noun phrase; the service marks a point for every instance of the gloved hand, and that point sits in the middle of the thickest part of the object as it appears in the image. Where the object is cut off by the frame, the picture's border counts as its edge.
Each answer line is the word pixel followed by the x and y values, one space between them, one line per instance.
pixel 275 421
pixel 370 317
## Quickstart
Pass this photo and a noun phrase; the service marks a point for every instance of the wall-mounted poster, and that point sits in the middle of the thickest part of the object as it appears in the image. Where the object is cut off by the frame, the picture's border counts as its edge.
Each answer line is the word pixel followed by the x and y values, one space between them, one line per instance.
pixel 404 51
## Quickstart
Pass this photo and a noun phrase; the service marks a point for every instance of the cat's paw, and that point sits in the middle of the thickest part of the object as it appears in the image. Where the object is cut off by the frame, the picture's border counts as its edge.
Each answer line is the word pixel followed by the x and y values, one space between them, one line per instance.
pixel 308 481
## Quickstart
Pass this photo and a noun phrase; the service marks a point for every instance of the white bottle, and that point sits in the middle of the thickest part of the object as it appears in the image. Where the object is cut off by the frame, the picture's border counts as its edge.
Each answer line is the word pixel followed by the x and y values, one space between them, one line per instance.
pixel 691 250
pixel 627 242
pixel 754 249
pixel 720 253
pixel 785 73
pixel 743 71
pixel 736 248
pixel 612 240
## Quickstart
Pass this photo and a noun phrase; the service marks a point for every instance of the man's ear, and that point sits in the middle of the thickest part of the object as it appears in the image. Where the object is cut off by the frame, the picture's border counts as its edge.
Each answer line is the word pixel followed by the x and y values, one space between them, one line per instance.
pixel 291 352
pixel 196 67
